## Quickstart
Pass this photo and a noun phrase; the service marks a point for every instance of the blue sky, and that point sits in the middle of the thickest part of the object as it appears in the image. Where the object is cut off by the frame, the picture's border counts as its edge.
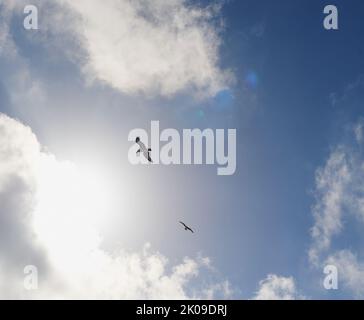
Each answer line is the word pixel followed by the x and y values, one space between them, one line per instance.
pixel 297 96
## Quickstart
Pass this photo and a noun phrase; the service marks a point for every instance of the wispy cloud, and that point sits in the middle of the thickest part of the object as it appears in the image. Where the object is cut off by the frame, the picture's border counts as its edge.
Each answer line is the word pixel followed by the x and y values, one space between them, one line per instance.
pixel 351 270
pixel 331 184
pixel 340 195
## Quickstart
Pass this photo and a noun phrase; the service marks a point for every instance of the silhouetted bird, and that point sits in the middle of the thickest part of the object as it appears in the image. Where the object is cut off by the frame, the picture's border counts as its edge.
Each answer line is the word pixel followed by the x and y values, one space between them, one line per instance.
pixel 146 152
pixel 186 227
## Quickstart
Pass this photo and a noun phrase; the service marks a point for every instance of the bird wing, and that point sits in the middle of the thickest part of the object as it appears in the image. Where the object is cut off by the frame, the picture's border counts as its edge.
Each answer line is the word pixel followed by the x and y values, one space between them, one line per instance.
pixel 142 147
pixel 147 156
pixel 182 224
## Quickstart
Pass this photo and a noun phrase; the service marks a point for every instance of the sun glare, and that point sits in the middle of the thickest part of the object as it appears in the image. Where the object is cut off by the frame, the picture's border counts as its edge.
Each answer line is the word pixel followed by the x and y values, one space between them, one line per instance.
pixel 72 204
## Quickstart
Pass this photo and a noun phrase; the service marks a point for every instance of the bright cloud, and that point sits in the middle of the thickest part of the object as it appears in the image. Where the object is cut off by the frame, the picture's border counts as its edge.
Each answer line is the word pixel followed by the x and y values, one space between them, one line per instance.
pixel 19 158
pixel 277 288
pixel 49 215
pixel 160 47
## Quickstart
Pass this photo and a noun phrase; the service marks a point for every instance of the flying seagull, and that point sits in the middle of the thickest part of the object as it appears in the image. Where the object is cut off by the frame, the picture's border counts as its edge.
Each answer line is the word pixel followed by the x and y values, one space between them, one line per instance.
pixel 186 227
pixel 144 149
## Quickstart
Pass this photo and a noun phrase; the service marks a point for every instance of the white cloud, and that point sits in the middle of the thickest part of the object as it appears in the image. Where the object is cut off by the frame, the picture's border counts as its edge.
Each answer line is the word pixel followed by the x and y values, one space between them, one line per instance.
pixel 159 47
pixel 277 288
pixel 339 193
pixel 49 213
pixel 331 183
pixel 350 271
pixel 19 156
pixel 152 48
pixel 339 196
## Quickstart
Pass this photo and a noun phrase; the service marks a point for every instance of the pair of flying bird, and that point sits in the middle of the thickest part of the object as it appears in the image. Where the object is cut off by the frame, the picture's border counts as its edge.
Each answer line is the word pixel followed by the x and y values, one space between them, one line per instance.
pixel 146 154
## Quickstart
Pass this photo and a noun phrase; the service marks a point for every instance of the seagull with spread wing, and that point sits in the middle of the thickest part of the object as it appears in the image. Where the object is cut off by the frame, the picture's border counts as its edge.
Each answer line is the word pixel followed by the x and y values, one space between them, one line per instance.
pixel 186 227
pixel 143 148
